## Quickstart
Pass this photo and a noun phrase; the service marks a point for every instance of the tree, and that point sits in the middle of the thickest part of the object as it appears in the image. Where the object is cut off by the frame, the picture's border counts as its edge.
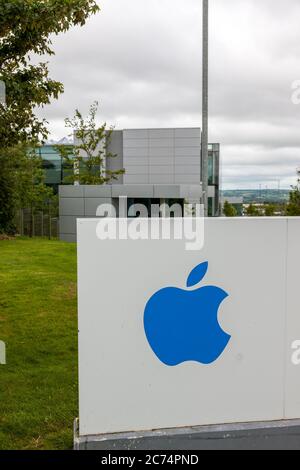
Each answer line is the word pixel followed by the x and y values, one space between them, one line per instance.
pixel 90 153
pixel 25 28
pixel 252 211
pixel 32 191
pixel 270 210
pixel 8 197
pixel 22 185
pixel 293 206
pixel 229 210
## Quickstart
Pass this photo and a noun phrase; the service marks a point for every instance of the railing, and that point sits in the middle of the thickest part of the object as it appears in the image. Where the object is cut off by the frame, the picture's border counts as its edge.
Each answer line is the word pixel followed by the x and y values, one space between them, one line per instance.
pixel 38 224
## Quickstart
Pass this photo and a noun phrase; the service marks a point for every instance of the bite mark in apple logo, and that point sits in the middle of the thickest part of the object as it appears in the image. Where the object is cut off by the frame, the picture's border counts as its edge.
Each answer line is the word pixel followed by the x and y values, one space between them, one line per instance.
pixel 182 325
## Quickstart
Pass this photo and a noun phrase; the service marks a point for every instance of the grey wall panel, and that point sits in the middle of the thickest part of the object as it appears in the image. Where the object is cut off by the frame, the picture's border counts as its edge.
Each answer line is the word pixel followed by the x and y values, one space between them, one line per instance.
pixel 135 143
pixel 161 170
pixel 162 187
pixel 187 142
pixel 67 224
pixel 136 179
pixel 135 133
pixel 211 191
pixel 167 191
pixel 66 237
pixel 161 133
pixel 159 149
pixel 71 206
pixel 71 191
pixel 187 133
pixel 136 161
pixel 188 151
pixel 142 190
pixel 141 152
pixel 184 160
pixel 115 147
pixel 92 204
pixel 136 169
pixel 161 179
pixel 187 179
pixel 161 143
pixel 97 191
pixel 187 169
pixel 161 161
pixel 192 192
pixel 161 152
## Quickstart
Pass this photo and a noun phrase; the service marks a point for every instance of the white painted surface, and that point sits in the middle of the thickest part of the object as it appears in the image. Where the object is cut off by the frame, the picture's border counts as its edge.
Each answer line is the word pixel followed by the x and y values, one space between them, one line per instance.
pixel 124 387
pixel 292 386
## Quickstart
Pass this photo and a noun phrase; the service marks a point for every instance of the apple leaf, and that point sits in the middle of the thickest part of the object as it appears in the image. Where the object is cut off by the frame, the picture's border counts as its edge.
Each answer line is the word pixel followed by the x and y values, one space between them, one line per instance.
pixel 197 274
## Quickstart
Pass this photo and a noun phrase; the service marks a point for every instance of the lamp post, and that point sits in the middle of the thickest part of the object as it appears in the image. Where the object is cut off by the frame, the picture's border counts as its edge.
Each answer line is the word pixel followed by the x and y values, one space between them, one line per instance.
pixel 204 151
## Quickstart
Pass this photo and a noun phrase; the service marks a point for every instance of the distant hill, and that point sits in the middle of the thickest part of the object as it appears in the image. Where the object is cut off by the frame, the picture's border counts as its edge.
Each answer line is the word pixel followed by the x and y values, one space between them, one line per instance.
pixel 63 141
pixel 258 196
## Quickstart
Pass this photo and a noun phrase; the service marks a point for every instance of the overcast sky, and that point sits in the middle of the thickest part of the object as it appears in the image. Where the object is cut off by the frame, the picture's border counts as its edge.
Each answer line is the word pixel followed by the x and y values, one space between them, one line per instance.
pixel 141 59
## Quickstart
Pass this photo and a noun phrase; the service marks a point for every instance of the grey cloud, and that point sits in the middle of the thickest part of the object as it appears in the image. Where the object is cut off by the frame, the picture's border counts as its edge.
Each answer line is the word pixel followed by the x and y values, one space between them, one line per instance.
pixel 142 61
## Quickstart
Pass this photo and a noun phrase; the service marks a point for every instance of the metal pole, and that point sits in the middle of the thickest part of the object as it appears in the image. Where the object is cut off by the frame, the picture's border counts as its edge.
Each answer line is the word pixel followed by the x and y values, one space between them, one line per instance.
pixel 205 107
pixel 42 223
pixel 49 221
pixel 22 223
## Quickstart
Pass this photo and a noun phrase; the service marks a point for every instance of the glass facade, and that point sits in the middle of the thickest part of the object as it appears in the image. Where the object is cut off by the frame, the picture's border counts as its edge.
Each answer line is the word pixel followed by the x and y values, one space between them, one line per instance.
pixel 55 169
pixel 214 178
pixel 213 164
pixel 149 203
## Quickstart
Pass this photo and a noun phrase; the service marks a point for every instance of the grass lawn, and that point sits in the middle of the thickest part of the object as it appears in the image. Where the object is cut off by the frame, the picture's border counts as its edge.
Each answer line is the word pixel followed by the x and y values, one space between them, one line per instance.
pixel 38 323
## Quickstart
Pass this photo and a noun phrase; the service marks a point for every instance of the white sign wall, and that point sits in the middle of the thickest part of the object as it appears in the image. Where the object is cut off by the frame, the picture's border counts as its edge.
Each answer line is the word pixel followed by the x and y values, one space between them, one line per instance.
pixel 141 366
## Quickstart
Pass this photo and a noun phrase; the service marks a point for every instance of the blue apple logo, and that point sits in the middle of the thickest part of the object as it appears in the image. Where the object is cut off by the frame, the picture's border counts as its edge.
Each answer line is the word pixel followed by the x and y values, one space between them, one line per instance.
pixel 182 325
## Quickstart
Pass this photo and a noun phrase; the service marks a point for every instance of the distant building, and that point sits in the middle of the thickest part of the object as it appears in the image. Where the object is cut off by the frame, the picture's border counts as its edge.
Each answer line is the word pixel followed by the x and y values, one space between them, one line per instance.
pixel 55 170
pixel 161 165
pixel 164 157
pixel 149 156
pixel 236 202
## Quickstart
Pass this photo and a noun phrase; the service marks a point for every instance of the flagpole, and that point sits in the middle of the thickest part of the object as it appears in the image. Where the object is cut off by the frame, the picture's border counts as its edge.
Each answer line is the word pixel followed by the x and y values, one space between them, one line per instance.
pixel 204 158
